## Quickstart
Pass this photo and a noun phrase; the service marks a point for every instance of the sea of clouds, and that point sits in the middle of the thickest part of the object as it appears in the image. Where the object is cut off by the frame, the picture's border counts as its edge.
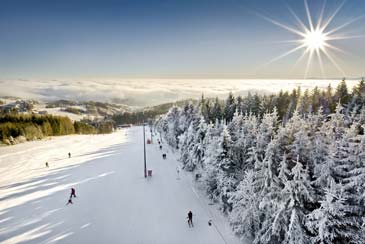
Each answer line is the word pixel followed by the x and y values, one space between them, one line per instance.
pixel 146 92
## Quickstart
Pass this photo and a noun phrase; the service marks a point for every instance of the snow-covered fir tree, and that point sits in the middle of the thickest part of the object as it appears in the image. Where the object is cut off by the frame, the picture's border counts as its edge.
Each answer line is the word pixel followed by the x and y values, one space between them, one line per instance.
pixel 330 222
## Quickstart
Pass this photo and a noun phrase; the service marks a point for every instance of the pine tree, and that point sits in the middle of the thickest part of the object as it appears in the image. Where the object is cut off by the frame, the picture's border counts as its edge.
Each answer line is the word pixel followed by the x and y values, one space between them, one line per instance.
pixel 342 94
pixel 172 129
pixel 211 172
pixel 216 110
pixel 245 216
pixel 186 144
pixel 265 134
pixel 330 223
pixel 238 139
pixel 230 107
pixel 287 206
pixel 197 148
pixel 303 103
pixel 246 143
pixel 357 180
pixel 269 186
pixel 239 104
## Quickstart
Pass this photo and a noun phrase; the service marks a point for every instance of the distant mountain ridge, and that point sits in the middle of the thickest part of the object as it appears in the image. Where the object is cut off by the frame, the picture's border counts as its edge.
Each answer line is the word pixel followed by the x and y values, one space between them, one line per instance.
pixel 78 110
pixel 73 109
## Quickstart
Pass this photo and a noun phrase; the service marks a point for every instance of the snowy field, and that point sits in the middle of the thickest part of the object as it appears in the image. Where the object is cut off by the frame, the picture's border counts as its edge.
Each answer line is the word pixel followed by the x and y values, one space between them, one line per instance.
pixel 114 204
pixel 59 112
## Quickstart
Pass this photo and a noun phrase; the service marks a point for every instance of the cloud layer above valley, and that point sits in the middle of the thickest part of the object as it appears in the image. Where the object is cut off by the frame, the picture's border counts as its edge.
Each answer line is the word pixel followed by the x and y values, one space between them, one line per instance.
pixel 146 92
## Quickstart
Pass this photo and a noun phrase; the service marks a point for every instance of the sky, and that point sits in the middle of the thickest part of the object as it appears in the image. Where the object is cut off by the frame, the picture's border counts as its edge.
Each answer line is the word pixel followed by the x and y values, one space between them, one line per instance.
pixel 186 39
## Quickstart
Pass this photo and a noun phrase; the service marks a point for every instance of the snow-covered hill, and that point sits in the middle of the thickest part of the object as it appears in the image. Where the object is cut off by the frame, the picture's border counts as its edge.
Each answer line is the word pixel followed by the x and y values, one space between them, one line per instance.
pixel 114 204
pixel 74 110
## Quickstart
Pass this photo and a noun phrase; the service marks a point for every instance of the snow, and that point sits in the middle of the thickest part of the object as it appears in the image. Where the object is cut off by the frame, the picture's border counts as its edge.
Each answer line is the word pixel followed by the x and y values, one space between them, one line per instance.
pixel 114 204
pixel 60 112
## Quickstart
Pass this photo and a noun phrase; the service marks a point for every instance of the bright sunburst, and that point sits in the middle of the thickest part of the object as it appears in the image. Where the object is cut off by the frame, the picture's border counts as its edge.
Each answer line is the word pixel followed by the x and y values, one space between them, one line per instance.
pixel 314 39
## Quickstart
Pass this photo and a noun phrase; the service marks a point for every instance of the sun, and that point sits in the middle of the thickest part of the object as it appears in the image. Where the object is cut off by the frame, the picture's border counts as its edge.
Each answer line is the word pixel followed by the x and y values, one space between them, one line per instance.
pixel 315 40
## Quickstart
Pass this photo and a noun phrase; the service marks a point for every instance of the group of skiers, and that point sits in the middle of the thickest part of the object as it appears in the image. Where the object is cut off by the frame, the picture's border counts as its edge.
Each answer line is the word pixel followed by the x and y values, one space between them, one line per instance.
pixel 160 143
pixel 190 220
pixel 47 164
pixel 73 191
pixel 73 194
pixel 190 214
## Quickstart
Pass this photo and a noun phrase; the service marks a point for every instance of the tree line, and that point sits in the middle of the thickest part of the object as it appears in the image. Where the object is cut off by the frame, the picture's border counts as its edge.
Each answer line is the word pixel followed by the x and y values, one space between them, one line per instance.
pixel 147 114
pixel 307 101
pixel 285 168
pixel 31 127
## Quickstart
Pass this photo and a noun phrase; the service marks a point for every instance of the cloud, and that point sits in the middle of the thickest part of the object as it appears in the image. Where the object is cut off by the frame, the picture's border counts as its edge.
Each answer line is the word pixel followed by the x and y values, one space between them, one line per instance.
pixel 145 92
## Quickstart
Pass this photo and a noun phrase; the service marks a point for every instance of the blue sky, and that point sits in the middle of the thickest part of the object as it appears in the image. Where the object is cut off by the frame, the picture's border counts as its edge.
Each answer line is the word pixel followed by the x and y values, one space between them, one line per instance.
pixel 164 39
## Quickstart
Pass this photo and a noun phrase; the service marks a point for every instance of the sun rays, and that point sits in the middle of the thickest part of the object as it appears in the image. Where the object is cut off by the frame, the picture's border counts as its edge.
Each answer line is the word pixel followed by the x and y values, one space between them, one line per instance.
pixel 314 39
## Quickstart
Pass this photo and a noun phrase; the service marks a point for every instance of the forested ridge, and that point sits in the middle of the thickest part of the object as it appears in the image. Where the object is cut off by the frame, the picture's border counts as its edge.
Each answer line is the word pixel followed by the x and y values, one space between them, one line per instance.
pixel 285 168
pixel 16 128
pixel 146 114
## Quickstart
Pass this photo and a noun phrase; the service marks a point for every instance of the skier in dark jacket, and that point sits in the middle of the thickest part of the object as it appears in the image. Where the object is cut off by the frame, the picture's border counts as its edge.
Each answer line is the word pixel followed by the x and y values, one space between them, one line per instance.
pixel 69 155
pixel 69 201
pixel 190 219
pixel 47 164
pixel 73 193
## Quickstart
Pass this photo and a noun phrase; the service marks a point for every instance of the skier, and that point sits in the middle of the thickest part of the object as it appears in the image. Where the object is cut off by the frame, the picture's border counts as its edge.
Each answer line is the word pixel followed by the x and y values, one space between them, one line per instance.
pixel 190 219
pixel 69 155
pixel 210 222
pixel 160 147
pixel 73 193
pixel 69 201
pixel 47 164
pixel 164 156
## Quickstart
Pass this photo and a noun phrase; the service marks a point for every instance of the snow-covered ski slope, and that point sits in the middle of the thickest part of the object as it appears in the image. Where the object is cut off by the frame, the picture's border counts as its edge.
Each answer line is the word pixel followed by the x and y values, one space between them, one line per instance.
pixel 114 204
